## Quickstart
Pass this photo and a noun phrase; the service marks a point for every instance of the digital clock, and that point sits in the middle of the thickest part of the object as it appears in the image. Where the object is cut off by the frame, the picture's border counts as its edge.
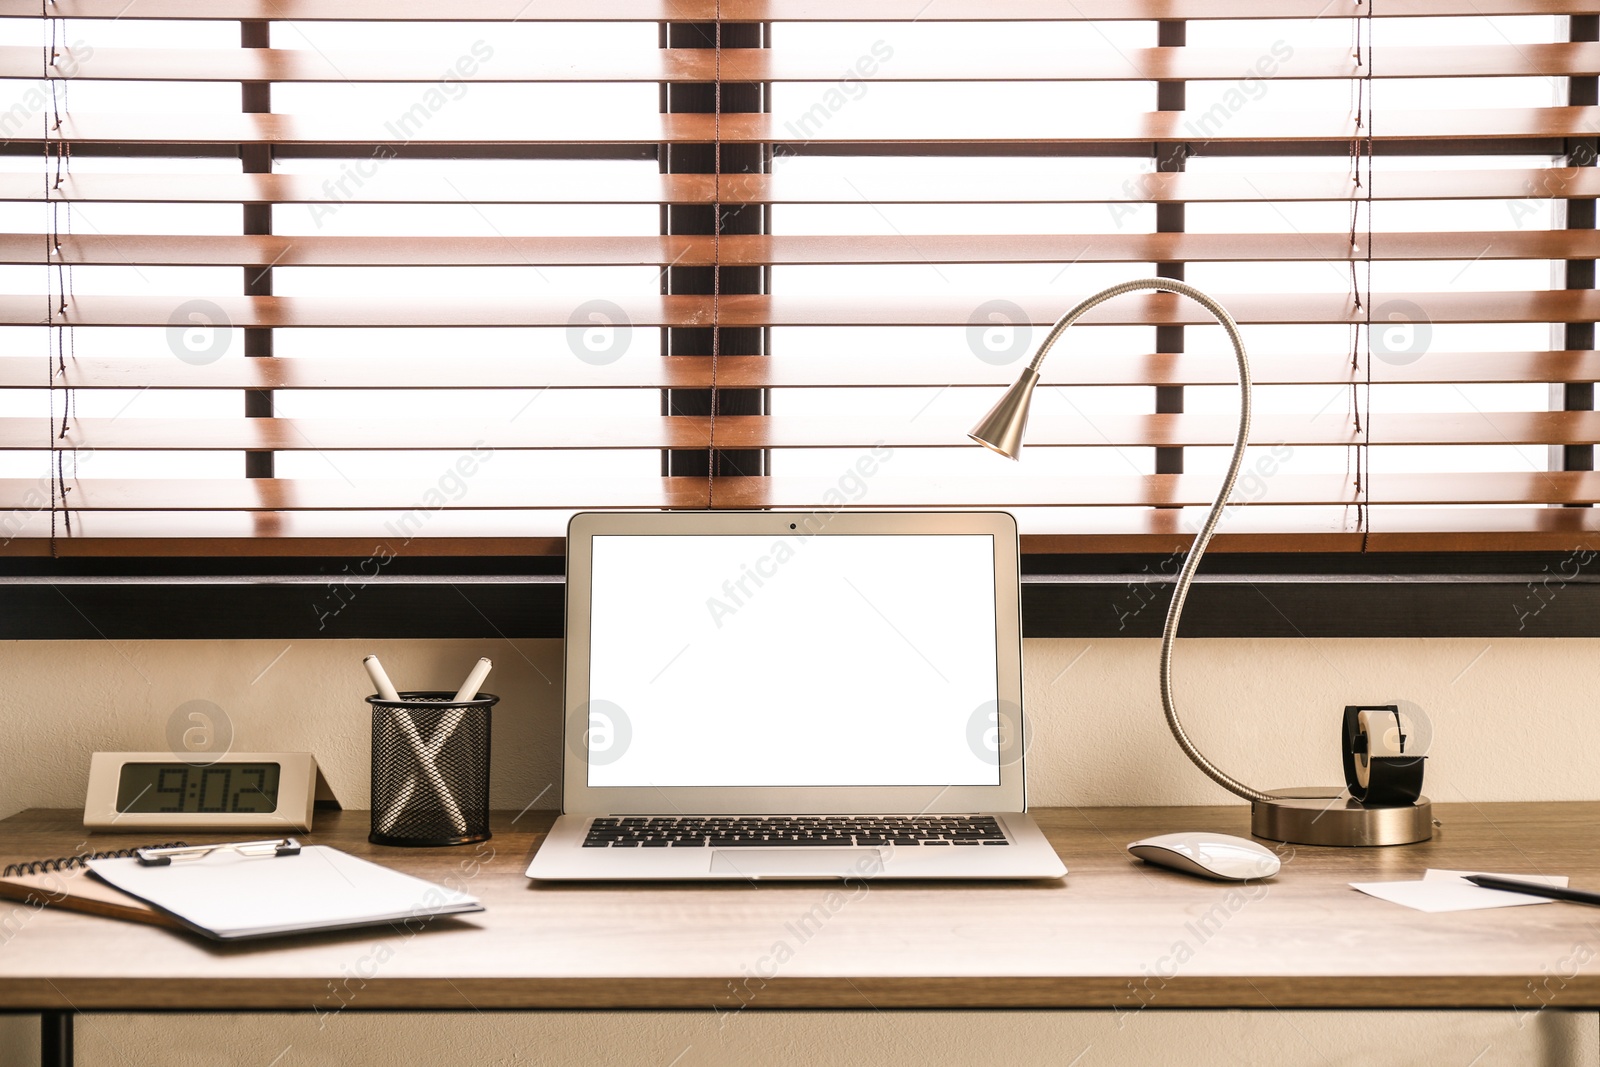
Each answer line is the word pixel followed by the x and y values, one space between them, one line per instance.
pixel 237 791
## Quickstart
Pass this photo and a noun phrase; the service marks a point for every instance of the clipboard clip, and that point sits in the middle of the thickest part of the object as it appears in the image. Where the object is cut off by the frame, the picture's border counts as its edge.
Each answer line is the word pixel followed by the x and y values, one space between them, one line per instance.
pixel 269 848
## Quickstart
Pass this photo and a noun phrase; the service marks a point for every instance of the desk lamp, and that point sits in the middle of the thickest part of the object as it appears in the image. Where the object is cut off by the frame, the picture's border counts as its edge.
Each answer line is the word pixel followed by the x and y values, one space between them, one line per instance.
pixel 1317 816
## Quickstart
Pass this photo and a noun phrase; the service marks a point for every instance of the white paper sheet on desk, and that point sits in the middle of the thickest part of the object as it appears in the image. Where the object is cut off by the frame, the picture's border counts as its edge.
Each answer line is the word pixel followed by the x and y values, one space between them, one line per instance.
pixel 1450 891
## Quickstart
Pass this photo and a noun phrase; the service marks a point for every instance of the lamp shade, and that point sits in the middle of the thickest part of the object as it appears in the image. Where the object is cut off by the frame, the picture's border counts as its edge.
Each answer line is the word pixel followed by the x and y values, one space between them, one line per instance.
pixel 1002 429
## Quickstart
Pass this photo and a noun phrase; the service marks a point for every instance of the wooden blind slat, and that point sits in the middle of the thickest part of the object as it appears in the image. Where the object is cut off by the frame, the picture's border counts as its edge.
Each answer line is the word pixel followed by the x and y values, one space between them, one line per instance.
pixel 309 494
pixel 991 129
pixel 1162 430
pixel 1561 59
pixel 1556 305
pixel 284 434
pixel 1155 490
pixel 1004 187
pixel 466 187
pixel 371 10
pixel 309 65
pixel 1515 183
pixel 756 250
pixel 558 369
pixel 1174 490
pixel 777 10
pixel 777 431
pixel 1109 10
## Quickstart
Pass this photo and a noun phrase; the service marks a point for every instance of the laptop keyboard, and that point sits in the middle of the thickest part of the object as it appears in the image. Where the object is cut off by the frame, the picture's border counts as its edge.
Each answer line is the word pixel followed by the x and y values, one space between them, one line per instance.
pixel 752 831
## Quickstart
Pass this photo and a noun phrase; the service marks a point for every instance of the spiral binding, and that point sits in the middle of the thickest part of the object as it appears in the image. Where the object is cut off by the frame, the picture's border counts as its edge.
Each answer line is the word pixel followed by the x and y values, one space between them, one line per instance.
pixel 63 863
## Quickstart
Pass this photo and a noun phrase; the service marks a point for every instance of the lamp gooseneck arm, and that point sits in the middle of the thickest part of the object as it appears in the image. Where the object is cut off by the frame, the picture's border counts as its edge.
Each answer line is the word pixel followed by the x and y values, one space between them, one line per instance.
pixel 1180 591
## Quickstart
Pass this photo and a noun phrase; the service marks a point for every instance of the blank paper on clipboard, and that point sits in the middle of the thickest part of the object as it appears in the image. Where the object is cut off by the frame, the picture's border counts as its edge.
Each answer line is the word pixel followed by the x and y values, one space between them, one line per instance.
pixel 228 896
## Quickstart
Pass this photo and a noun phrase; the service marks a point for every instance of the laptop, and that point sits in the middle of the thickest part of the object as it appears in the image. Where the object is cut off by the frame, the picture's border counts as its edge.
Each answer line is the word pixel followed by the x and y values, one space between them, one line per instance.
pixel 770 695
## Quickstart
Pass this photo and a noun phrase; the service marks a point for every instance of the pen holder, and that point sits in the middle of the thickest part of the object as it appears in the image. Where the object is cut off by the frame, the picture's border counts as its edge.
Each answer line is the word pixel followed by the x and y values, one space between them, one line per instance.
pixel 430 769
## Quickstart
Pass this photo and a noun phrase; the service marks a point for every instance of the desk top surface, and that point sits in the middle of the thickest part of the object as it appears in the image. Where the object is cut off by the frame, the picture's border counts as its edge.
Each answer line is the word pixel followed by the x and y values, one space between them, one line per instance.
pixel 1114 933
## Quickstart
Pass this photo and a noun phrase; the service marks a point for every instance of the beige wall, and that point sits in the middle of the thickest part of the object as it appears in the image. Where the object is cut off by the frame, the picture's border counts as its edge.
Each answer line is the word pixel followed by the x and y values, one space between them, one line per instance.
pixel 1512 720
pixel 851 1039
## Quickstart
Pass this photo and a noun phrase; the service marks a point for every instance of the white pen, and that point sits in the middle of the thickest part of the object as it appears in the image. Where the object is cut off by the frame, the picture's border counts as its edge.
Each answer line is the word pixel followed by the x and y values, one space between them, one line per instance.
pixel 380 679
pixel 447 729
pixel 469 688
pixel 386 691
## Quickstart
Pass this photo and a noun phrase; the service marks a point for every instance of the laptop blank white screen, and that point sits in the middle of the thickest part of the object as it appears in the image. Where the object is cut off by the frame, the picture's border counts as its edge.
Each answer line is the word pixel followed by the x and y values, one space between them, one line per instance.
pixel 826 660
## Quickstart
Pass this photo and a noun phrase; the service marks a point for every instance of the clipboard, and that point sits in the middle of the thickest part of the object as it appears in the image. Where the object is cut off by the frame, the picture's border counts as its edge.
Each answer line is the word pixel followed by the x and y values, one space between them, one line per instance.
pixel 253 889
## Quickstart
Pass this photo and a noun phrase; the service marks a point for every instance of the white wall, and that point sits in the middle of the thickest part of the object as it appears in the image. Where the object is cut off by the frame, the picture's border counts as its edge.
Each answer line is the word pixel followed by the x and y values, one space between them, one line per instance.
pixel 1512 720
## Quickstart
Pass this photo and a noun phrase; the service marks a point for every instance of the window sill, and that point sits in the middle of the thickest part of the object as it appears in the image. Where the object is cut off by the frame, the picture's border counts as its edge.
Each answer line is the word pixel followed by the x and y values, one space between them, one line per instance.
pixel 1094 597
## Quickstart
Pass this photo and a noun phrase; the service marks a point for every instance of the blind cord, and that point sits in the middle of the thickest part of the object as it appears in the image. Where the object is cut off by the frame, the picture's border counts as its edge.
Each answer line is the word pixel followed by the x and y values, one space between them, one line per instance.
pixel 1353 410
pixel 62 336
pixel 1365 513
pixel 49 293
pixel 1361 141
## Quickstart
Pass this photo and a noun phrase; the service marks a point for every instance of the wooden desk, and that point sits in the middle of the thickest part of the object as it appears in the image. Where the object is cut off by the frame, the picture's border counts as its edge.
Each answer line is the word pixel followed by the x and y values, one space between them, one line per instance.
pixel 1114 933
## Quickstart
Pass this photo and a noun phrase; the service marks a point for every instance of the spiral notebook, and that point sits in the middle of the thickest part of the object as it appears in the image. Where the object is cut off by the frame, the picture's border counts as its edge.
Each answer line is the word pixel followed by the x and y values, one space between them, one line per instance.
pixel 63 882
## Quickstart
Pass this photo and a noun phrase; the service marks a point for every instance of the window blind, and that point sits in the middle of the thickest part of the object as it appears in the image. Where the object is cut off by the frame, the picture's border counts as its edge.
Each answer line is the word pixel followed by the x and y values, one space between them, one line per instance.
pixel 314 276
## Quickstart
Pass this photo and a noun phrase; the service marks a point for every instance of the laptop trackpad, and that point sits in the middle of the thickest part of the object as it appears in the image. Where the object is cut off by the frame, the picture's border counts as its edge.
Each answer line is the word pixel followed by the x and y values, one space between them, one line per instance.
pixel 796 862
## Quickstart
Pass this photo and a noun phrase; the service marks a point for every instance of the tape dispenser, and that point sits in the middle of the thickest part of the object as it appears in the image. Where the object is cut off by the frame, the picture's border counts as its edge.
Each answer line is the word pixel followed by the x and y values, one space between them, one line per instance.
pixel 1378 769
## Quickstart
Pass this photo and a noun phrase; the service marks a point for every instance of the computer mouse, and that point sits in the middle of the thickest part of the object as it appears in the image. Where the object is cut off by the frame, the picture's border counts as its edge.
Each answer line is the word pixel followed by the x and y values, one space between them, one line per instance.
pixel 1207 855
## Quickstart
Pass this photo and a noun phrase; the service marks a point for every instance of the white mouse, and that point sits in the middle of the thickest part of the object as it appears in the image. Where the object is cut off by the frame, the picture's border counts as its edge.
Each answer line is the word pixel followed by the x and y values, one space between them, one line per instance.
pixel 1206 855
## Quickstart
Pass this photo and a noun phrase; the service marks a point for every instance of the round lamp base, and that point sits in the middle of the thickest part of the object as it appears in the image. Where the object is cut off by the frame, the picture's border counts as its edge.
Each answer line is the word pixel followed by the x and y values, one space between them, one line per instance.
pixel 1326 817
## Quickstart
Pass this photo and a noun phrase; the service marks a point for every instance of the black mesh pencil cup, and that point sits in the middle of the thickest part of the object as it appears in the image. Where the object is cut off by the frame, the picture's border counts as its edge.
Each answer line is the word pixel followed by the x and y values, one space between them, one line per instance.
pixel 430 769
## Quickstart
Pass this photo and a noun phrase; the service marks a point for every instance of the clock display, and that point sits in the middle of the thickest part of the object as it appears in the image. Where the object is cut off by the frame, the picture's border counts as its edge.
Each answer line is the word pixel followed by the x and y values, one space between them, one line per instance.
pixel 235 788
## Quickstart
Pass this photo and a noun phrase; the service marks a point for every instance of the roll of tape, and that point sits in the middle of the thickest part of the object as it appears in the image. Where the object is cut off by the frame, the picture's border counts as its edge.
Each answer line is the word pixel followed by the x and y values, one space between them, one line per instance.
pixel 1377 768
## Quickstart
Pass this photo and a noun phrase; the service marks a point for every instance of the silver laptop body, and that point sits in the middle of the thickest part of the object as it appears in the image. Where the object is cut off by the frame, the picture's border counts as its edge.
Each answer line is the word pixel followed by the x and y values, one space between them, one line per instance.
pixel 755 695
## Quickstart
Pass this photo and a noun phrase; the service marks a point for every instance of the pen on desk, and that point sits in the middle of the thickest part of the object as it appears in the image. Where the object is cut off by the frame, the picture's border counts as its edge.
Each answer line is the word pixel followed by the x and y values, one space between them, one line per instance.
pixel 1534 889
pixel 469 688
pixel 380 679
